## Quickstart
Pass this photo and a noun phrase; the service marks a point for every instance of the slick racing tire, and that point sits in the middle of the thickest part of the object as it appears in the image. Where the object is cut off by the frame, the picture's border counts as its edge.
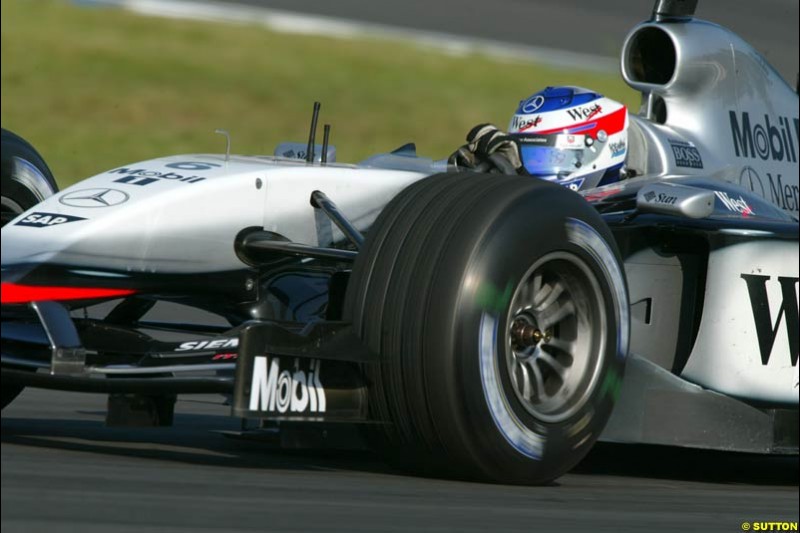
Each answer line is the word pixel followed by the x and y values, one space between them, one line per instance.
pixel 26 181
pixel 498 307
pixel 26 178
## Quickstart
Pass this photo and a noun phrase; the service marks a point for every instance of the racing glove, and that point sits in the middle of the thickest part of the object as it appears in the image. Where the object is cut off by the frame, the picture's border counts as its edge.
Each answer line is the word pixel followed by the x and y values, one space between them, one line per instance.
pixel 467 155
pixel 488 148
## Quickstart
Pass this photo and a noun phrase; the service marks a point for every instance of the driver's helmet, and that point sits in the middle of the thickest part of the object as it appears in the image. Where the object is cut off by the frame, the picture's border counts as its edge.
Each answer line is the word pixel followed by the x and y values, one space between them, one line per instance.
pixel 573 136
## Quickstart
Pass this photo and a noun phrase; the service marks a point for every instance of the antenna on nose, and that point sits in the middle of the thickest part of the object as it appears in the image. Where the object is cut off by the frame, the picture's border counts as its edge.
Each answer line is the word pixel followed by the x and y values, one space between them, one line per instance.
pixel 326 133
pixel 227 135
pixel 312 134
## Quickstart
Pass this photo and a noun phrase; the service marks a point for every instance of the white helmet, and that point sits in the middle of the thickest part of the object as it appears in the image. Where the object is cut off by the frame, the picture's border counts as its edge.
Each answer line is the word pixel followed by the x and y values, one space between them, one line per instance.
pixel 573 136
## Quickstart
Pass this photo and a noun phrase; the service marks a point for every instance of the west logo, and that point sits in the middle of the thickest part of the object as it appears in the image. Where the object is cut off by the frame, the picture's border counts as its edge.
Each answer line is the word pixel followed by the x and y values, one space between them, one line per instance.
pixel 770 140
pixel 584 113
pixel 44 220
pixel 737 205
pixel 281 391
pixel 766 328
pixel 523 124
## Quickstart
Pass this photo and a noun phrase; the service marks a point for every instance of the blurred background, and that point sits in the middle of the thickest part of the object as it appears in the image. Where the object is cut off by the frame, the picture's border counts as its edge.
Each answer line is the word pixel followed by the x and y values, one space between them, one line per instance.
pixel 95 84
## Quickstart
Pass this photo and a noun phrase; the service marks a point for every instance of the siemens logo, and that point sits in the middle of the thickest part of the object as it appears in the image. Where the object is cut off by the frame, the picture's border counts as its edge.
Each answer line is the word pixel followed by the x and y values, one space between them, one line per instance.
pixel 771 139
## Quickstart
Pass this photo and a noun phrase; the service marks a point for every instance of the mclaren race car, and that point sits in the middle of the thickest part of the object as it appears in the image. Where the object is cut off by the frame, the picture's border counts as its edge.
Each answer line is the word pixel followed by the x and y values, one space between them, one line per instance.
pixel 484 325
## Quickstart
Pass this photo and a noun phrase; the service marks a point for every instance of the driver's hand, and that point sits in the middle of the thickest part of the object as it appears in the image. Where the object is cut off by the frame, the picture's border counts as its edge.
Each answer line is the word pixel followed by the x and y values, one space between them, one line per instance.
pixel 503 151
pixel 467 155
pixel 488 148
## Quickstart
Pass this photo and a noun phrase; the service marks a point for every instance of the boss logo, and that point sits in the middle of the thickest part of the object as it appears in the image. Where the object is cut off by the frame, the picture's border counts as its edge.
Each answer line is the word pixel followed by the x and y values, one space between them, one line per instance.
pixel 686 154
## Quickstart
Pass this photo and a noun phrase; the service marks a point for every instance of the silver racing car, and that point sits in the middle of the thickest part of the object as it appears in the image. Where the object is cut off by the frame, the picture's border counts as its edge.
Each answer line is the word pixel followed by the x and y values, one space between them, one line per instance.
pixel 484 325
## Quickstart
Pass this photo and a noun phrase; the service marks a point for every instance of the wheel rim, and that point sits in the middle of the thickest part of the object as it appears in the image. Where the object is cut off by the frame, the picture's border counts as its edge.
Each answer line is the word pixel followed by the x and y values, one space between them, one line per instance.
pixel 556 336
pixel 10 210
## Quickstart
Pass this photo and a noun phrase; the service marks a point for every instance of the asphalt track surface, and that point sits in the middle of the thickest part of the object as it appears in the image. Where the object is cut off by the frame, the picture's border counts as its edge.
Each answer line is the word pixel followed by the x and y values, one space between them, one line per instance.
pixel 63 470
pixel 596 27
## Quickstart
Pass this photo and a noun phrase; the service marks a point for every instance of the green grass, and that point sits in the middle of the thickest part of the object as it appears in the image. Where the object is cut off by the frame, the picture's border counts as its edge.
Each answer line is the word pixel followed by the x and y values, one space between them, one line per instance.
pixel 95 88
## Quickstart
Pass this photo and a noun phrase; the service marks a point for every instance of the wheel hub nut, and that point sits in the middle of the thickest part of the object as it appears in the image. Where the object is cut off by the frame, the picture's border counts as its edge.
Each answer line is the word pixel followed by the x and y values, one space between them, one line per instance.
pixel 525 335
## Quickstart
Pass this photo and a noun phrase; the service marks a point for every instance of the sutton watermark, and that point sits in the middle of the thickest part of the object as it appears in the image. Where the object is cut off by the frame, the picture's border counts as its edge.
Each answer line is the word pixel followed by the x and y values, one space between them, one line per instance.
pixel 769 526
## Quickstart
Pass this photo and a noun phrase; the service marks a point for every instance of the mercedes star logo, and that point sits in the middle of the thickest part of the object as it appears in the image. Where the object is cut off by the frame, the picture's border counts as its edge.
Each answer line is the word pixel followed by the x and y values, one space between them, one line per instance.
pixel 94 198
pixel 749 179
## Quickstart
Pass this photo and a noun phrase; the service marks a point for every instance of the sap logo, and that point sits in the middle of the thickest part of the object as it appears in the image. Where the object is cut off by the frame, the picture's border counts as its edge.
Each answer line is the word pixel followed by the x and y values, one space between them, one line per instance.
pixel 216 344
pixel 766 329
pixel 44 220
pixel 737 205
pixel 141 176
pixel 281 391
pixel 584 113
pixel 765 141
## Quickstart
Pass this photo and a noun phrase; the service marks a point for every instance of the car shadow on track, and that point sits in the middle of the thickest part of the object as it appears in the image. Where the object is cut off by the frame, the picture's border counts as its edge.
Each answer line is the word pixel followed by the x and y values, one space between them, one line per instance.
pixel 665 462
pixel 194 439
pixel 199 439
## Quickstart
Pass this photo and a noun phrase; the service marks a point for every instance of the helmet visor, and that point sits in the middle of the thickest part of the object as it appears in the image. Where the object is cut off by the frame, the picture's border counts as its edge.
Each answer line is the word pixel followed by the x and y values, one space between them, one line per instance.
pixel 542 161
pixel 555 155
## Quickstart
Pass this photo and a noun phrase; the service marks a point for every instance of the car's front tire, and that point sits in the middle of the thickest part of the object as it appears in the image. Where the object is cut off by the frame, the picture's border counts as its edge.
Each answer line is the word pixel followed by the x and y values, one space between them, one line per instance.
pixel 26 181
pixel 499 309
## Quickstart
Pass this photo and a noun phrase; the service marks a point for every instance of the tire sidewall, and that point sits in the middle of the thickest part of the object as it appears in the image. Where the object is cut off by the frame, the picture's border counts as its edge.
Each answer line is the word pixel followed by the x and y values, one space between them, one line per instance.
pixel 525 231
pixel 26 179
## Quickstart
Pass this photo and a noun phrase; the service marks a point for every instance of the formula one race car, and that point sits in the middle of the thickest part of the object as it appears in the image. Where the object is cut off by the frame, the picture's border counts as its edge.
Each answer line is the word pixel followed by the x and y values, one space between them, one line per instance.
pixel 475 323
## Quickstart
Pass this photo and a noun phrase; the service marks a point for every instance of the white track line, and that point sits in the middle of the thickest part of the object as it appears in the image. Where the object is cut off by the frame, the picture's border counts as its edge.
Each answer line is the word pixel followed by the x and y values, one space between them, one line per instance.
pixel 291 22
